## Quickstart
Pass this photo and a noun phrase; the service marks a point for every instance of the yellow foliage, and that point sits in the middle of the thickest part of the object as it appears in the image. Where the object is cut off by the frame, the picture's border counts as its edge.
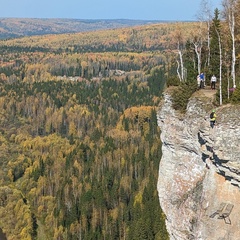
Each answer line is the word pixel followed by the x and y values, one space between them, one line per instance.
pixel 142 111
pixel 15 216
pixel 40 209
pixel 25 234
pixel 122 37
pixel 72 129
pixel 18 206
pixel 10 175
pixel 78 167
pixel 58 233
pixel 95 218
pixel 75 228
pixel 114 213
pixel 118 134
pixel 137 117
pixel 21 137
pixel 32 193
pixel 123 162
pixel 138 199
pixel 125 180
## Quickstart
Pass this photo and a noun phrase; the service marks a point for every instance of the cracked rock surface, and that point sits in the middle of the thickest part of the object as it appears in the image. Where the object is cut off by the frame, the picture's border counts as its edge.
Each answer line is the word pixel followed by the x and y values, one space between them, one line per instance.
pixel 199 169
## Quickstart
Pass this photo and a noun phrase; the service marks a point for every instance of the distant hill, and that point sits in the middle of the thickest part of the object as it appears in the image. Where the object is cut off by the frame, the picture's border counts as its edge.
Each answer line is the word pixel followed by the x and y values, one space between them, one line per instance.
pixel 18 27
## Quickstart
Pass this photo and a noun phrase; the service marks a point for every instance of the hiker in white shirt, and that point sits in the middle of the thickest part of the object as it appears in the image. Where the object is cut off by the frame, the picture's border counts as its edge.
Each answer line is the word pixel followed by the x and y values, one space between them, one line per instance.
pixel 213 82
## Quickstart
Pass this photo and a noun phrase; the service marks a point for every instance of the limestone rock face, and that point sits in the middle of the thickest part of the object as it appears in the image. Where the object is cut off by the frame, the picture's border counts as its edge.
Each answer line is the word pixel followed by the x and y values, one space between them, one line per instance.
pixel 199 170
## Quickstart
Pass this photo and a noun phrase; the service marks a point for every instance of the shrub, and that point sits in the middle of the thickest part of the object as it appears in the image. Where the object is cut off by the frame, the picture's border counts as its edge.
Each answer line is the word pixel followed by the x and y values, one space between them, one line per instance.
pixel 182 94
pixel 173 81
pixel 235 96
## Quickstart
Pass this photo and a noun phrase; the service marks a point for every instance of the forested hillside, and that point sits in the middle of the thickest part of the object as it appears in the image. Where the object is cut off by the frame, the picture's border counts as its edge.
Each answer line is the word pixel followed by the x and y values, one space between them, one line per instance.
pixel 80 159
pixel 80 146
pixel 155 37
pixel 19 27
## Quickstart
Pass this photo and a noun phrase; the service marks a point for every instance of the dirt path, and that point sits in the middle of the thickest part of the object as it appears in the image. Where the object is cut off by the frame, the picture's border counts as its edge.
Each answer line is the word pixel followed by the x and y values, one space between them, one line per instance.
pixel 207 92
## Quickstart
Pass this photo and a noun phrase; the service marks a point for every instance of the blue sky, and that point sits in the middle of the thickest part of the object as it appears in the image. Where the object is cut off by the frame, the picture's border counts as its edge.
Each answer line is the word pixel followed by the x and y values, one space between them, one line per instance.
pixel 179 10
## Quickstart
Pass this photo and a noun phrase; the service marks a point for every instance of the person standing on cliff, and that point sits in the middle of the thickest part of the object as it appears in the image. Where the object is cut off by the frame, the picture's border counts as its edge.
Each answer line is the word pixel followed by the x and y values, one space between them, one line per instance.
pixel 213 82
pixel 198 81
pixel 213 118
pixel 202 80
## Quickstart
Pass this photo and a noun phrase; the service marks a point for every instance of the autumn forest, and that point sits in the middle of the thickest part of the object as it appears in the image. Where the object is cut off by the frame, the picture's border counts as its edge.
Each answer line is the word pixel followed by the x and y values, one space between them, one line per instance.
pixel 80 146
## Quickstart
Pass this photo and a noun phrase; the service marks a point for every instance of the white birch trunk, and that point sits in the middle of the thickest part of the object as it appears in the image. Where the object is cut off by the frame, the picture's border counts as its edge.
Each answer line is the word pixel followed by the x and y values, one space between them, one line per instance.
pixel 178 73
pixel 228 85
pixel 232 26
pixel 198 53
pixel 220 68
pixel 181 63
pixel 230 11
pixel 208 43
pixel 205 16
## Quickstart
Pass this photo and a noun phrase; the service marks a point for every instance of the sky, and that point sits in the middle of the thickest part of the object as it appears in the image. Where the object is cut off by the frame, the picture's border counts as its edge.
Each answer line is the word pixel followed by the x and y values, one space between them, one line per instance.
pixel 169 10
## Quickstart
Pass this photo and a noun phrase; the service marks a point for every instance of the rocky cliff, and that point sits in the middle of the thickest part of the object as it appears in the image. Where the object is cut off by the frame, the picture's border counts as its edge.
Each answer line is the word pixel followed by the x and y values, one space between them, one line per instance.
pixel 199 169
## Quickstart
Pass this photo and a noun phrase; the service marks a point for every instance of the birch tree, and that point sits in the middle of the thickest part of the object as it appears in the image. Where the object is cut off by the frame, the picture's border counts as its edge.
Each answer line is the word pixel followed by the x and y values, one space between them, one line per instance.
pixel 180 49
pixel 220 66
pixel 206 16
pixel 197 42
pixel 229 12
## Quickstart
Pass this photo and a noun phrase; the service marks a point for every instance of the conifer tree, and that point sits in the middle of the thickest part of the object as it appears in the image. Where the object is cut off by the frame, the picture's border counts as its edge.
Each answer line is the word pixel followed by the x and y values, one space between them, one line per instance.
pixel 214 31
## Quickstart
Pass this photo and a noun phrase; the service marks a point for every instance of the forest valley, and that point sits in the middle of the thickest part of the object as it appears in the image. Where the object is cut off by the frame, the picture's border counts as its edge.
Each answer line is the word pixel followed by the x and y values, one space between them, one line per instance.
pixel 80 146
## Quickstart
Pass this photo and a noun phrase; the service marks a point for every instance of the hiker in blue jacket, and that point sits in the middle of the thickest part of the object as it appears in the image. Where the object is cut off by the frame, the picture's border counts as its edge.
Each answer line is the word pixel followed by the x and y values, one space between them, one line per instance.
pixel 202 80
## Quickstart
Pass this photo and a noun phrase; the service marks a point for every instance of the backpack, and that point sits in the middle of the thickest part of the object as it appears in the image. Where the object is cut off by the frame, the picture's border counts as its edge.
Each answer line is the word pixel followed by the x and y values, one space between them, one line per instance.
pixel 212 115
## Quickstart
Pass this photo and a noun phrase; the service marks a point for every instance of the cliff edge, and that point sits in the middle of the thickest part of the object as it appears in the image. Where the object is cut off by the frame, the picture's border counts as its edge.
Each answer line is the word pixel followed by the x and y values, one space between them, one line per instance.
pixel 200 169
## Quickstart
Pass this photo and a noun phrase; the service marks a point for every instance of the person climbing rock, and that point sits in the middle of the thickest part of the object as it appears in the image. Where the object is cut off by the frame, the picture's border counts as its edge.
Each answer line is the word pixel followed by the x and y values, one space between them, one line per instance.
pixel 213 118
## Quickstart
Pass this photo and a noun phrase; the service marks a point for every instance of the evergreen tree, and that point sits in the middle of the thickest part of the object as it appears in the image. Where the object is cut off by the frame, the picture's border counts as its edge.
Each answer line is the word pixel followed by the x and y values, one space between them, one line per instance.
pixel 214 44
